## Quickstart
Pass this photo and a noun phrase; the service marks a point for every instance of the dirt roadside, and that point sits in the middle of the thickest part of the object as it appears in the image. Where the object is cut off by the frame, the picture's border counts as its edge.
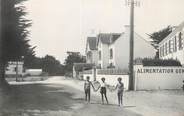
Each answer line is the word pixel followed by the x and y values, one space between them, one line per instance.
pixel 146 103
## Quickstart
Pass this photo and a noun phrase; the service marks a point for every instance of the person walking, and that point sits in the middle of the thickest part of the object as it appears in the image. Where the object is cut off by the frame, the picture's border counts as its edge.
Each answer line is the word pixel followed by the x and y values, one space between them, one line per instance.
pixel 87 89
pixel 120 89
pixel 103 90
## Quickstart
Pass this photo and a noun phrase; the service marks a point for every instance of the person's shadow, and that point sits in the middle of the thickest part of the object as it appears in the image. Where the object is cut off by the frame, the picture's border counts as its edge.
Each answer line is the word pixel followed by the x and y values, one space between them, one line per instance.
pixel 112 105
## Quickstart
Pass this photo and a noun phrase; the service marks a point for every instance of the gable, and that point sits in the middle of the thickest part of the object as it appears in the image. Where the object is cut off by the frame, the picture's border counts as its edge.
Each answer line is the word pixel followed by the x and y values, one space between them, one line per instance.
pixel 174 32
pixel 91 43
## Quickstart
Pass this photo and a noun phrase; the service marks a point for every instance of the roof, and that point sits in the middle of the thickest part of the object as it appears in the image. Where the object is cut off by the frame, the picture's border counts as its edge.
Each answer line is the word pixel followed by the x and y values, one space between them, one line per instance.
pixel 173 33
pixel 81 66
pixel 108 38
pixel 91 41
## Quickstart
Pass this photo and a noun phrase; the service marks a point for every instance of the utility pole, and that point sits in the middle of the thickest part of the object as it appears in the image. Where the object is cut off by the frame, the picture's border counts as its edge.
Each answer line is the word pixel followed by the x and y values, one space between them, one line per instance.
pixel 1 51
pixel 131 54
pixel 131 57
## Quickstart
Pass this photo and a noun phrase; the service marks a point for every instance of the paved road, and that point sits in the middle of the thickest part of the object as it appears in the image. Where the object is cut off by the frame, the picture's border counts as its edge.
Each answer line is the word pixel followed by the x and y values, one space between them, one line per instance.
pixel 53 100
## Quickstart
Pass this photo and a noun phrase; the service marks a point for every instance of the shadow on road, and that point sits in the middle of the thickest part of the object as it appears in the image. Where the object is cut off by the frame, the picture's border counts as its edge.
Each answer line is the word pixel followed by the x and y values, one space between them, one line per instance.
pixel 34 97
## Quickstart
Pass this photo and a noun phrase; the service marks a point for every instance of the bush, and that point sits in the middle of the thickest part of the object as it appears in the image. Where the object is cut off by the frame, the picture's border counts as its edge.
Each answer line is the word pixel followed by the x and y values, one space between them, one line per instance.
pixel 160 62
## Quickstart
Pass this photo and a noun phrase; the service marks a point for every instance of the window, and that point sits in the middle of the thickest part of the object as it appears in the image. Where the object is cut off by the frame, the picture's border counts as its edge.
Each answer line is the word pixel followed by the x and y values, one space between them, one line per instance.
pixel 163 51
pixel 172 45
pixel 169 46
pixel 89 55
pixel 175 44
pixel 100 55
pixel 160 51
pixel 99 66
pixel 166 51
pixel 111 53
pixel 180 41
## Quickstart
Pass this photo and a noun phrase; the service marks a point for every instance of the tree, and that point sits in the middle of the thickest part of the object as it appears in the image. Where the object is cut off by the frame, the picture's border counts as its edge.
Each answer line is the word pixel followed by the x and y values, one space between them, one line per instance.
pixel 158 36
pixel 49 64
pixel 52 66
pixel 73 57
pixel 14 38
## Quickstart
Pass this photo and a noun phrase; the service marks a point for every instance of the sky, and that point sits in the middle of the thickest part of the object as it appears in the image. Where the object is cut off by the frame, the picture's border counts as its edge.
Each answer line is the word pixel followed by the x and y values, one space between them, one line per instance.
pixel 63 25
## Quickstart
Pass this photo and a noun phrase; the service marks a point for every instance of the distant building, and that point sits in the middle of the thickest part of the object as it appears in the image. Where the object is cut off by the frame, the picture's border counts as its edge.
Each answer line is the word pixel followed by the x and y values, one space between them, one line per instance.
pixel 172 47
pixel 104 40
pixel 33 72
pixel 119 49
pixel 14 67
pixel 91 51
pixel 80 67
pixel 113 49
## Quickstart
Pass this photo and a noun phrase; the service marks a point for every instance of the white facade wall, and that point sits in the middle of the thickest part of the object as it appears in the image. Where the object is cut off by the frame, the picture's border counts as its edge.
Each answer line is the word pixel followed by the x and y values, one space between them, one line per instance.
pixel 93 59
pixel 11 68
pixel 104 48
pixel 142 49
pixel 178 54
pixel 34 72
pixel 156 81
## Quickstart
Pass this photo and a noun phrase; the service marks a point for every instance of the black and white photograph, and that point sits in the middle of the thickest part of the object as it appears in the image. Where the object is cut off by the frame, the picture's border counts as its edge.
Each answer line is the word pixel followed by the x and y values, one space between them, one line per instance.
pixel 91 57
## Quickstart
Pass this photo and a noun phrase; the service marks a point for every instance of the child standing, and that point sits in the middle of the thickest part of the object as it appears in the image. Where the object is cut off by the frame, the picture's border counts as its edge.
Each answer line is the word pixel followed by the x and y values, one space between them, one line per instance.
pixel 87 89
pixel 120 87
pixel 103 90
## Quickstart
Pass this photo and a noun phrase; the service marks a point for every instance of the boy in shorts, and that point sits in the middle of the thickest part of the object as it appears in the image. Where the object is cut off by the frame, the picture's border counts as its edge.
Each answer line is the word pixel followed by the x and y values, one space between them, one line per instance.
pixel 120 89
pixel 87 89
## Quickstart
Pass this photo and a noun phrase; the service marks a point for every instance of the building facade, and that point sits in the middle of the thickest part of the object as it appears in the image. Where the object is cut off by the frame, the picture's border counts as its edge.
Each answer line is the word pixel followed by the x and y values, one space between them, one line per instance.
pixel 112 49
pixel 172 47
pixel 14 68
pixel 91 51
pixel 104 40
pixel 119 49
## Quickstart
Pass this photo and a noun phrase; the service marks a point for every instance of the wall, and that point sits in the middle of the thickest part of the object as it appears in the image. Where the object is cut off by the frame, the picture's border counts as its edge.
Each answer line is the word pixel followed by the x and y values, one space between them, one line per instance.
pixel 105 56
pixel 179 54
pixel 34 72
pixel 95 57
pixel 142 49
pixel 11 68
pixel 104 48
pixel 162 78
pixel 110 79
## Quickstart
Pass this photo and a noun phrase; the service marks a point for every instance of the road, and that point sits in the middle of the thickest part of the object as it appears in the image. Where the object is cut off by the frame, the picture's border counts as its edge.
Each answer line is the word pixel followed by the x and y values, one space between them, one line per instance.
pixel 51 99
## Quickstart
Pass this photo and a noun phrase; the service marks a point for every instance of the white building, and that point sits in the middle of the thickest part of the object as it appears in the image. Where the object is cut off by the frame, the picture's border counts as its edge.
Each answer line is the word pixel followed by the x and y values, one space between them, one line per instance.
pixel 91 51
pixel 33 72
pixel 119 49
pixel 172 46
pixel 113 49
pixel 103 42
pixel 14 67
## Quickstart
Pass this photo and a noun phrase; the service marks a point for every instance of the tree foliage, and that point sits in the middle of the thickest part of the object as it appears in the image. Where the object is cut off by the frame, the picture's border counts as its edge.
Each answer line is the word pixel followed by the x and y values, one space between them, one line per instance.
pixel 157 62
pixel 14 37
pixel 48 64
pixel 158 36
pixel 15 30
pixel 73 57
